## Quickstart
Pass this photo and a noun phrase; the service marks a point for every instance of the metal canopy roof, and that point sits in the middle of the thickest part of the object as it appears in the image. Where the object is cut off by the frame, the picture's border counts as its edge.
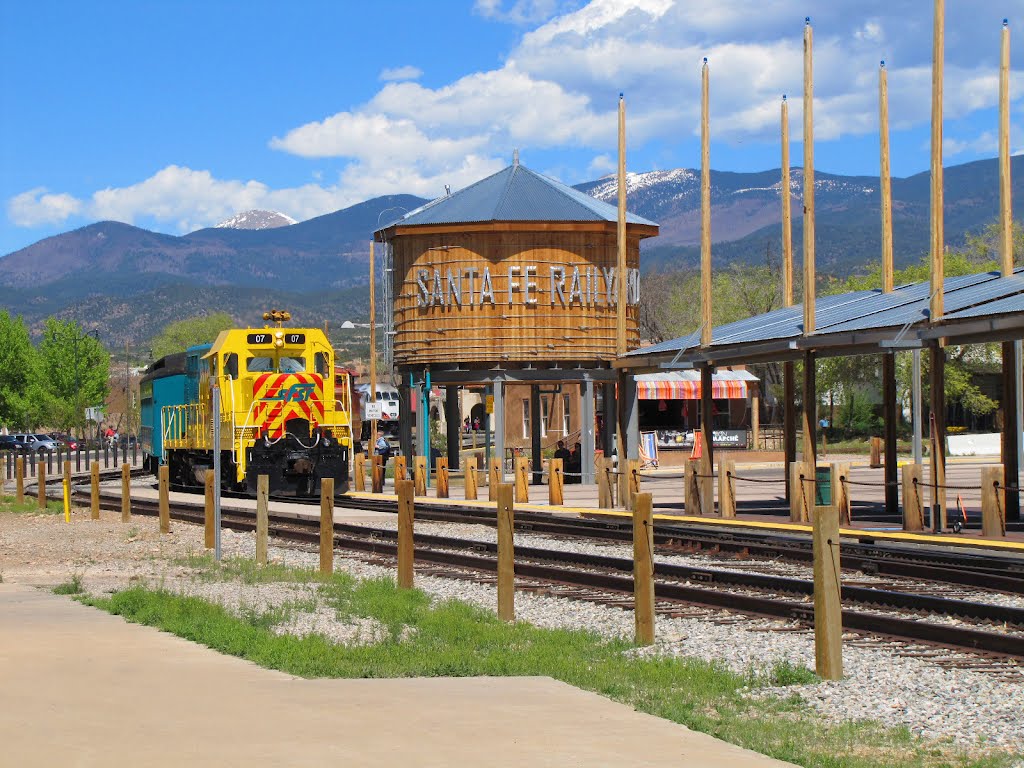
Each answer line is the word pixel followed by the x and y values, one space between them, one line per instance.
pixel 860 322
pixel 514 194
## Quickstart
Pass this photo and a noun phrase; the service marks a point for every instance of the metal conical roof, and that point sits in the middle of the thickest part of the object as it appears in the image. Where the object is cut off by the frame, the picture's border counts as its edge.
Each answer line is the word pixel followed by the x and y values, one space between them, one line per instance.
pixel 514 194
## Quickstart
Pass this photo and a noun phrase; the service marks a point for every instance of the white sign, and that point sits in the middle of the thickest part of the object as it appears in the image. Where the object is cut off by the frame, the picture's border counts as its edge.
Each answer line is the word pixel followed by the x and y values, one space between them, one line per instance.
pixel 374 411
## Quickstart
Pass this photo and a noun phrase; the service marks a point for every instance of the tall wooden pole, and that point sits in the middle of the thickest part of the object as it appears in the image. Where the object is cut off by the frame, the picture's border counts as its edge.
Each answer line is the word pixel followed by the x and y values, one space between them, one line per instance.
pixel 809 276
pixel 705 212
pixel 788 369
pixel 890 415
pixel 938 244
pixel 620 271
pixel 373 348
pixel 1011 384
pixel 810 397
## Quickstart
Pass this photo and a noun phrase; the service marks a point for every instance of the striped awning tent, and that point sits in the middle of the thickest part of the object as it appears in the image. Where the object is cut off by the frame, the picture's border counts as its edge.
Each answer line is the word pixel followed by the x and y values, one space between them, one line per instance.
pixel 685 385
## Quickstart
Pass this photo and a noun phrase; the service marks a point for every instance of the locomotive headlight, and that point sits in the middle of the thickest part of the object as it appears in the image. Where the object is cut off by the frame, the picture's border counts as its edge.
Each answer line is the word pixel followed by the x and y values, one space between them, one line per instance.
pixel 278 342
pixel 279 335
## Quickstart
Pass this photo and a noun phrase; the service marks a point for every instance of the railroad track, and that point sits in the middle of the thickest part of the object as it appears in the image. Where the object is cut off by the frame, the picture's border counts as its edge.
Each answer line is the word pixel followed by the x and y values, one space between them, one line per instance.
pixel 608 580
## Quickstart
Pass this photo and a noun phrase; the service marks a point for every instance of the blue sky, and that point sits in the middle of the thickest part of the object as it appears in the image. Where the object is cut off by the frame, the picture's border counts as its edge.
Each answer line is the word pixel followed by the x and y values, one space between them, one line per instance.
pixel 175 115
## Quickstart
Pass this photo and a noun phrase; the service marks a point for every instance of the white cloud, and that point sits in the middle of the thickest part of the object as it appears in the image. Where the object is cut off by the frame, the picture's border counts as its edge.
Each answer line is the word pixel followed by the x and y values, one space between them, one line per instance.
pixel 37 206
pixel 519 11
pixel 408 72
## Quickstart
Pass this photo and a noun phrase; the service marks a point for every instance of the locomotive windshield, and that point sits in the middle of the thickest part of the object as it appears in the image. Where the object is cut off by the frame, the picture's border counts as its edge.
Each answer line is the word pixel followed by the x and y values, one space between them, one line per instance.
pixel 279 365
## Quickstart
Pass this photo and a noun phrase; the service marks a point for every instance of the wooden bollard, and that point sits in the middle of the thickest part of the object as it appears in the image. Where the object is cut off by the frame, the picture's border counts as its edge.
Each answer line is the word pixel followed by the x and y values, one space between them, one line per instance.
pixel 400 468
pixel 377 474
pixel 19 479
pixel 726 488
pixel 165 499
pixel 828 609
pixel 327 526
pixel 913 497
pixel 94 490
pixel 801 494
pixel 604 484
pixel 41 479
pixel 359 472
pixel 691 495
pixel 126 492
pixel 876 452
pixel 555 480
pixel 841 492
pixel 67 490
pixel 495 476
pixel 993 502
pixel 208 530
pixel 522 475
pixel 471 479
pixel 262 514
pixel 419 475
pixel 406 515
pixel 443 477
pixel 632 481
pixel 643 567
pixel 506 554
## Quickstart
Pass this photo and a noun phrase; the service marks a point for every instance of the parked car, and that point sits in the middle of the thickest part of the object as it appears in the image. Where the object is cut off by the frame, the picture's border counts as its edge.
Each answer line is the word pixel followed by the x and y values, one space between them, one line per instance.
pixel 11 443
pixel 38 442
pixel 66 441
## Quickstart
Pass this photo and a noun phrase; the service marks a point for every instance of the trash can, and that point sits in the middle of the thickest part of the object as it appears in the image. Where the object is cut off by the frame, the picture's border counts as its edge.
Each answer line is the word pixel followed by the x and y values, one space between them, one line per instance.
pixel 823 485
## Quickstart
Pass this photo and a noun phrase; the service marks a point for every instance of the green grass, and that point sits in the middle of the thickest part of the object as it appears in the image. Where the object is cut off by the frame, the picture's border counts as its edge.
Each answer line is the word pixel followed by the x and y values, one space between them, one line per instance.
pixel 30 505
pixel 72 587
pixel 455 639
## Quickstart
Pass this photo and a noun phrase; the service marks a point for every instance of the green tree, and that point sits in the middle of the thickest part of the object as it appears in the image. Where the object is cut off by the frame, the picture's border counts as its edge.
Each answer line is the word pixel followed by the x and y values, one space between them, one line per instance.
pixel 74 373
pixel 19 374
pixel 182 334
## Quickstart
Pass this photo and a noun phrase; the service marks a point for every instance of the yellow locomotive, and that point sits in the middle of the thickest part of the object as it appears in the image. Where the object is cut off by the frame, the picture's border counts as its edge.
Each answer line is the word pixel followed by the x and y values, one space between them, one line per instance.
pixel 281 412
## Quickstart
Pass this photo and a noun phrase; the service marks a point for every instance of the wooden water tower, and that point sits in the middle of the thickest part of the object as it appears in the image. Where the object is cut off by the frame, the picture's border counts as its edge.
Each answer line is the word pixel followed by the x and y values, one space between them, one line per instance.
pixel 510 282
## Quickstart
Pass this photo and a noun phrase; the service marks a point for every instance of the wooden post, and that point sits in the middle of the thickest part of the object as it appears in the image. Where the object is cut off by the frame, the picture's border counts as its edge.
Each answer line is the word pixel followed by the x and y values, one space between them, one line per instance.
pixel 755 416
pixel 208 530
pixel 19 479
pixel 691 492
pixel 494 478
pixel 938 236
pixel 327 526
pixel 555 495
pixel 419 475
pixel 506 554
pixel 788 375
pixel 522 476
pixel 442 477
pixel 801 500
pixel 726 488
pixel 41 480
pixel 94 490
pixel 913 500
pixel 841 491
pixel 937 381
pixel 705 210
pixel 165 499
pixel 620 240
pixel 875 460
pixel 471 480
pixel 885 178
pixel 359 472
pixel 993 502
pixel 406 514
pixel 643 568
pixel 632 481
pixel 705 465
pixel 262 504
pixel 609 481
pixel 67 490
pixel 808 142
pixel 126 492
pixel 828 610
pixel 377 474
pixel 604 491
pixel 400 468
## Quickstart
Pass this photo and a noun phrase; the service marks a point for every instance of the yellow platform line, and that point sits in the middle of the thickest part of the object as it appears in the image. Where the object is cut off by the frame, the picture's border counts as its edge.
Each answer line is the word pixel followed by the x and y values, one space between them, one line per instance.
pixel 854 533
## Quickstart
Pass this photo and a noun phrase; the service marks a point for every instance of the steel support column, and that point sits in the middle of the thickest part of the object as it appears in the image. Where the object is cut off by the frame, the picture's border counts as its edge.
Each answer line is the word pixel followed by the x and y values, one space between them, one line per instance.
pixel 890 416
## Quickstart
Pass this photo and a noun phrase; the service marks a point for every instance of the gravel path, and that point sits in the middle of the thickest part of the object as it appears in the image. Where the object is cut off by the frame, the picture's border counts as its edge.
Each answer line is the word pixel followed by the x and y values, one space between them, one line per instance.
pixel 959 705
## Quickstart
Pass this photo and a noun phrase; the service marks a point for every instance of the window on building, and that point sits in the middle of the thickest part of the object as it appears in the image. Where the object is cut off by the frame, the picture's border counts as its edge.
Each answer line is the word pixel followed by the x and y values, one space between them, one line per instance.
pixel 565 415
pixel 526 417
pixel 545 416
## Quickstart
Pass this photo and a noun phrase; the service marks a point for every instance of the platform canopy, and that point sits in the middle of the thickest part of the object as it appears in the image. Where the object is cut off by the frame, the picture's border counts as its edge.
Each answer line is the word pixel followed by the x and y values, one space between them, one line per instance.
pixel 978 308
pixel 685 385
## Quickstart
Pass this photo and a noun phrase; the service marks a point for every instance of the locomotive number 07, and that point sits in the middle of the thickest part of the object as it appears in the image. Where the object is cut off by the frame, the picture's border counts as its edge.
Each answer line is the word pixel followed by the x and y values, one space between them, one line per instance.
pixel 259 338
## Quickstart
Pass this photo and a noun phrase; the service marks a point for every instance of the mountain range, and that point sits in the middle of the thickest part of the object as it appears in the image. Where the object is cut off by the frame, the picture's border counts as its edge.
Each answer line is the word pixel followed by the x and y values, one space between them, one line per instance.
pixel 131 281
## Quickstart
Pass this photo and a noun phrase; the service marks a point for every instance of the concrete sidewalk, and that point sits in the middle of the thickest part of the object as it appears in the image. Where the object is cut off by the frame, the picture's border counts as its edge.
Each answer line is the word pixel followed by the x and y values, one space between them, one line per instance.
pixel 84 688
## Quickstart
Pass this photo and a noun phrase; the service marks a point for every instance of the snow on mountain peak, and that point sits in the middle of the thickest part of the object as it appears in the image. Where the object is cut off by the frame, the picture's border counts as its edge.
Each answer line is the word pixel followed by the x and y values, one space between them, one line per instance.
pixel 256 220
